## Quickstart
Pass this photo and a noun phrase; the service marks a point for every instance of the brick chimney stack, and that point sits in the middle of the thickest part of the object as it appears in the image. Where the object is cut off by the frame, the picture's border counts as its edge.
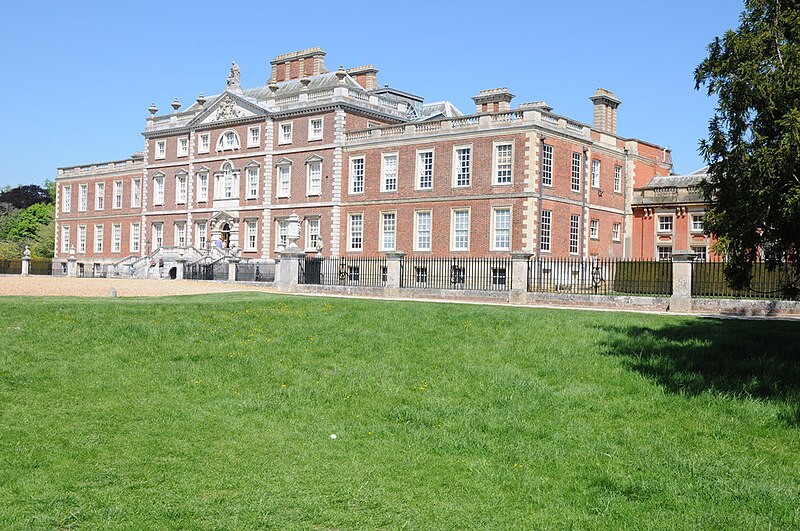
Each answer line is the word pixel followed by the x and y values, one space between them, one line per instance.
pixel 605 111
pixel 493 100
pixel 366 76
pixel 295 65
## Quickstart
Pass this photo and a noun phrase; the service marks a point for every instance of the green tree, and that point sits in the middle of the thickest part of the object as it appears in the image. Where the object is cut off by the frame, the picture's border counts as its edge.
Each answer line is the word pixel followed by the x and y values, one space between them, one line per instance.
pixel 44 242
pixel 25 225
pixel 753 144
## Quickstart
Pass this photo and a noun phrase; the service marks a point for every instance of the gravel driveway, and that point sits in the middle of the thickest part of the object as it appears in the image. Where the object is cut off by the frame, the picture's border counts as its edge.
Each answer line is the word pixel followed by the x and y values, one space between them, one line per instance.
pixel 42 286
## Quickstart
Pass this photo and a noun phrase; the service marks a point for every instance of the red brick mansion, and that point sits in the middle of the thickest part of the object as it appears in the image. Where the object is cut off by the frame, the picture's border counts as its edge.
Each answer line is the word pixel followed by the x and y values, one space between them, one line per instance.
pixel 368 169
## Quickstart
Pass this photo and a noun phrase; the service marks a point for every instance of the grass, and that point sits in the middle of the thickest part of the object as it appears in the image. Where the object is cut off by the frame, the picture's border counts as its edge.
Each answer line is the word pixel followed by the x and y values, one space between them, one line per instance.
pixel 215 412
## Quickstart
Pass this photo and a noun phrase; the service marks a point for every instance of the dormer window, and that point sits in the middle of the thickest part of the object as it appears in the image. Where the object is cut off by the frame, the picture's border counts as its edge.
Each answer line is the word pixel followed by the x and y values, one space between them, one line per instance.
pixel 228 140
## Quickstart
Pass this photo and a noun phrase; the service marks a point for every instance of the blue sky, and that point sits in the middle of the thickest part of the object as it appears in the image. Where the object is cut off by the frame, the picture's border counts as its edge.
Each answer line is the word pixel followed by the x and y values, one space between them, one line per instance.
pixel 79 76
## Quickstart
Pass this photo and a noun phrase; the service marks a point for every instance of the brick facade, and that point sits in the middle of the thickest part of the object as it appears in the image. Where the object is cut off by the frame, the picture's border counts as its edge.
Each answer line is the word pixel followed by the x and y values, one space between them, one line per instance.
pixel 229 167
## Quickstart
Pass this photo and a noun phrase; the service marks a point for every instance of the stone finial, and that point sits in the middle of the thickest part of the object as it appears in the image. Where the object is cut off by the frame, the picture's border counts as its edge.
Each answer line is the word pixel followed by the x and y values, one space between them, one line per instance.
pixel 153 109
pixel 273 87
pixel 27 252
pixel 305 81
pixel 201 100
pixel 341 73
pixel 234 76
pixel 175 105
pixel 293 232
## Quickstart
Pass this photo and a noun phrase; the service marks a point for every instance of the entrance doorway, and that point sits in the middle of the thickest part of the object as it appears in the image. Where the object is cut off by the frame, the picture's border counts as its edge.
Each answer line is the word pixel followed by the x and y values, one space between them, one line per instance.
pixel 226 236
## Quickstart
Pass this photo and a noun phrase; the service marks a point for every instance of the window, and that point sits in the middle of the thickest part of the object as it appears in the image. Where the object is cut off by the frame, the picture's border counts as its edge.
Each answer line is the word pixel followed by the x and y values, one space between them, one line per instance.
pixel 312 233
pixel 200 235
pixel 576 172
pixel 284 179
pixel 664 253
pixel 462 165
pixel 183 147
pixel 136 193
pixel 161 149
pixel 180 188
pixel 285 133
pixel 313 177
pixel 574 227
pixel 547 165
pixel 544 230
pixel 356 232
pixel 594 229
pixel 315 129
pixel 421 274
pixel 98 238
pixel 460 230
pixel 202 187
pixel 283 234
pixel 498 276
pixel 117 194
pixel 66 198
pixel 618 179
pixel 251 231
pixel 99 196
pixel 458 274
pixel 83 197
pixel 422 230
pixel 357 175
pixel 180 233
pixel 158 235
pixel 501 226
pixel 389 173
pixel 135 236
pixel 353 273
pixel 64 238
pixel 228 188
pixel 388 231
pixel 252 182
pixel 116 238
pixel 254 136
pixel 700 253
pixel 595 173
pixel 697 222
pixel 81 238
pixel 204 145
pixel 424 170
pixel 503 163
pixel 615 232
pixel 158 190
pixel 228 140
pixel 664 223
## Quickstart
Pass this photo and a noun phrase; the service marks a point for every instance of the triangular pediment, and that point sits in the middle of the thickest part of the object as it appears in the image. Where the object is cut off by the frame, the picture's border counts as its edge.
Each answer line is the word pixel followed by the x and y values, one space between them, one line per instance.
pixel 222 216
pixel 227 106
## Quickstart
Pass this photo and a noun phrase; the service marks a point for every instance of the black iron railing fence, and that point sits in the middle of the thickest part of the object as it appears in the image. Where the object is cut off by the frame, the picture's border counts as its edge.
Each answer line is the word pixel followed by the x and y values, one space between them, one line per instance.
pixel 215 271
pixel 10 267
pixel 343 271
pixel 780 283
pixel 41 266
pixel 485 274
pixel 255 272
pixel 600 276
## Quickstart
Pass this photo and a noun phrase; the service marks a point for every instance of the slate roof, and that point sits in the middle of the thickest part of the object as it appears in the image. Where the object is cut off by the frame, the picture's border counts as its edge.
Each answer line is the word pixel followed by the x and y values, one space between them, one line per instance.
pixel 679 181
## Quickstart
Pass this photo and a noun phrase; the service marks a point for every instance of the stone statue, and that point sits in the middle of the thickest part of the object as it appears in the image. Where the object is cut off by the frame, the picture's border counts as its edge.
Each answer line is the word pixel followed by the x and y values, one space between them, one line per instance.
pixel 27 252
pixel 234 75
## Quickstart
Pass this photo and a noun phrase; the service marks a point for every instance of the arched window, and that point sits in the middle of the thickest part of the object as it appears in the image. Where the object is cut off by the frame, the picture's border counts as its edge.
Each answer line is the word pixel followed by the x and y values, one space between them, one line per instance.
pixel 228 140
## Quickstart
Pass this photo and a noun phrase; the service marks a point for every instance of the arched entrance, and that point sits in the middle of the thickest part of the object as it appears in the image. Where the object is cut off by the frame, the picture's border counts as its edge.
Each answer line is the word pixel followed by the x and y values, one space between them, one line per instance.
pixel 226 235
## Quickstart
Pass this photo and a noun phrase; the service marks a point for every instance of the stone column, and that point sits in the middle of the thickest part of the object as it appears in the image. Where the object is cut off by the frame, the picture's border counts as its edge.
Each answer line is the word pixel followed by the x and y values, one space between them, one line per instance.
pixel 287 270
pixel 180 266
pixel 681 300
pixel 72 263
pixel 233 261
pixel 26 262
pixel 520 262
pixel 393 261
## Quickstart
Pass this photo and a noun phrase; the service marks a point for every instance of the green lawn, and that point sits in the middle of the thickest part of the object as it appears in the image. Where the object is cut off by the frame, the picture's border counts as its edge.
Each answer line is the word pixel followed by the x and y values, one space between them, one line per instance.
pixel 216 412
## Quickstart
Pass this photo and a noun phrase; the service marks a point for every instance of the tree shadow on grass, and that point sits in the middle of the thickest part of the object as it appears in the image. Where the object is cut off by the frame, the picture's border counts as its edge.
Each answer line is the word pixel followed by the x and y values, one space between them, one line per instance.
pixel 743 358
